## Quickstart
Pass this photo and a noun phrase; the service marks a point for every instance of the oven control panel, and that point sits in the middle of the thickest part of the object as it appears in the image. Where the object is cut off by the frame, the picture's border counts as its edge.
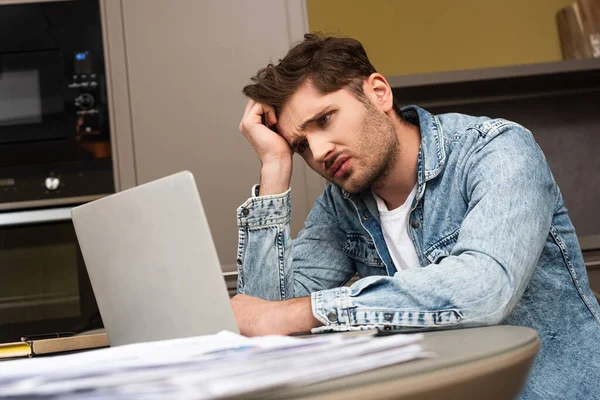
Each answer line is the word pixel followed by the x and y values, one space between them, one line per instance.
pixel 28 184
pixel 86 84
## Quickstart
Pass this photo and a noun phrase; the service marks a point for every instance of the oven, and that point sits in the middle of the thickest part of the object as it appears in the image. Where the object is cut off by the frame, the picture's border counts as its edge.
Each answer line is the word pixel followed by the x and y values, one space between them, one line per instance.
pixel 55 153
pixel 44 286
pixel 54 127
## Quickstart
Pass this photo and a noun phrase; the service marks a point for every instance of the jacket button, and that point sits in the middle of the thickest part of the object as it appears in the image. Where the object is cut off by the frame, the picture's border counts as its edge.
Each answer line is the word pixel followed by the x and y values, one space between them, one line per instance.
pixel 415 224
pixel 332 316
pixel 245 212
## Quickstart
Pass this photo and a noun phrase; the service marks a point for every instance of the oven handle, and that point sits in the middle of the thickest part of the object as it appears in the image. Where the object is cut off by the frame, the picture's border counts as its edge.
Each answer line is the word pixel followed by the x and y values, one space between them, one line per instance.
pixel 35 216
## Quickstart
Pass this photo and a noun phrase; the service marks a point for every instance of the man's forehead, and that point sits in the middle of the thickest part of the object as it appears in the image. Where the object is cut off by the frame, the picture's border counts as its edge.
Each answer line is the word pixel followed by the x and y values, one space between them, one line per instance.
pixel 302 105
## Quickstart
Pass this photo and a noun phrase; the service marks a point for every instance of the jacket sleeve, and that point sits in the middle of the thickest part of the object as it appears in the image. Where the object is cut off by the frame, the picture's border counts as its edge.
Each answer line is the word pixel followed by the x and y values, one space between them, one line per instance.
pixel 511 196
pixel 272 266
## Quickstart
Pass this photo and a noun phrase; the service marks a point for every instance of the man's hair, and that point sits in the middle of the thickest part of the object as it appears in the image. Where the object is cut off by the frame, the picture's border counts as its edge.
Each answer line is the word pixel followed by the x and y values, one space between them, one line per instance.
pixel 331 64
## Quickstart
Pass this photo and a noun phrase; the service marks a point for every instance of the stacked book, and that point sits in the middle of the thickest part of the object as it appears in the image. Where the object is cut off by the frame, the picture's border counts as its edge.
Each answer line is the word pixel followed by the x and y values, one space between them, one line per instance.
pixel 54 343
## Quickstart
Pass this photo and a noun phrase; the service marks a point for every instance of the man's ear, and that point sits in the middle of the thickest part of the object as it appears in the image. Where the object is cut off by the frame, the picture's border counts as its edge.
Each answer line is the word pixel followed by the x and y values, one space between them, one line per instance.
pixel 378 90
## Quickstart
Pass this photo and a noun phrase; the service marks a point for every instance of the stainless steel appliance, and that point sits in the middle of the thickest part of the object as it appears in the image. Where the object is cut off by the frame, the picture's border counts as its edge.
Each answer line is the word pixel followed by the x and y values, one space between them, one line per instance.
pixel 54 131
pixel 44 286
pixel 54 154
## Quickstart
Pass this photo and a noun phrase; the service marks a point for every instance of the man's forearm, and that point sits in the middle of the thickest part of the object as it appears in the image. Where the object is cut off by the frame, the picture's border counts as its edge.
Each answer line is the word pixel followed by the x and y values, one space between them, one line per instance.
pixel 275 177
pixel 257 317
pixel 260 251
pixel 298 316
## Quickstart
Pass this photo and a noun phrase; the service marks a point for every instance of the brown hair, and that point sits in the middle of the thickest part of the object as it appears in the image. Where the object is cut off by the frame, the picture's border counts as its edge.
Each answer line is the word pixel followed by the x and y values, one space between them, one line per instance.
pixel 331 63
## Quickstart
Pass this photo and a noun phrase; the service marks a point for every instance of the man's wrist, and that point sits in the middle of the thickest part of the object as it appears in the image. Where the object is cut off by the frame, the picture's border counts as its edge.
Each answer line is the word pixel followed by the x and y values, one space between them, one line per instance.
pixel 297 316
pixel 275 177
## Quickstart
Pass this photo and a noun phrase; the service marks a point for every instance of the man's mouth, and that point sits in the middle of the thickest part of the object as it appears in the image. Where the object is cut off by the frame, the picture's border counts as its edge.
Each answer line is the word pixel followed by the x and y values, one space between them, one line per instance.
pixel 339 167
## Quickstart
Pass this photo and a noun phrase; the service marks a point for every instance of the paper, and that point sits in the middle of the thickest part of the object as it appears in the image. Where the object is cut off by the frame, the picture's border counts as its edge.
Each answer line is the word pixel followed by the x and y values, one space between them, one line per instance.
pixel 204 367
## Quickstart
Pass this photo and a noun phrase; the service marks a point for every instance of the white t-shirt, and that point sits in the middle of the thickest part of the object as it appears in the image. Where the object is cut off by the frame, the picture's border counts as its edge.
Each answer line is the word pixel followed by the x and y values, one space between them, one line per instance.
pixel 394 225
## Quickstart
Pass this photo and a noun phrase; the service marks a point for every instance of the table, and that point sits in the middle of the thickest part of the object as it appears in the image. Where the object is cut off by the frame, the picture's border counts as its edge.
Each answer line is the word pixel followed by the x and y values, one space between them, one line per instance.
pixel 479 363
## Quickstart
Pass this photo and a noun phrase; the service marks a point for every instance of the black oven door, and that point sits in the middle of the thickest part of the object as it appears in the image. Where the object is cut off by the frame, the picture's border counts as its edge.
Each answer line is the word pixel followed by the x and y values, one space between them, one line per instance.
pixel 32 106
pixel 44 286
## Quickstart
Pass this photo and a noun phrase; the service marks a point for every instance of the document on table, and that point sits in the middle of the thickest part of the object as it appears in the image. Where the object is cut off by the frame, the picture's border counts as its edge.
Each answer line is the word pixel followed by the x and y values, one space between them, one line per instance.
pixel 204 367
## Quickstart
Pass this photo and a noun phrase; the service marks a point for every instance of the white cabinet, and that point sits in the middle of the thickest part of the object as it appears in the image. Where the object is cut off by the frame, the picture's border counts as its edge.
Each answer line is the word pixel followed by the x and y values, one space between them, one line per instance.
pixel 175 74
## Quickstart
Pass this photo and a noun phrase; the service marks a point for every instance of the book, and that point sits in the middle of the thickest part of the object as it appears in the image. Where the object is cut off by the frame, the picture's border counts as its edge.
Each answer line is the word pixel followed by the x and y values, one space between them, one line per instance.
pixel 30 347
pixel 15 349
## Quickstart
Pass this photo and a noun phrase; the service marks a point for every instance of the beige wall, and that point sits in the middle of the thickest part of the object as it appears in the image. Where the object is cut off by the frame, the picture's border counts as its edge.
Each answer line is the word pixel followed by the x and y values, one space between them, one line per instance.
pixel 406 37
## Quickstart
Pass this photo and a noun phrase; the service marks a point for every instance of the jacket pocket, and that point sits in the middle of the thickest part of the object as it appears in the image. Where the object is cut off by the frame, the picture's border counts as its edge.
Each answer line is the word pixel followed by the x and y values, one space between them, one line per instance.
pixel 442 248
pixel 361 249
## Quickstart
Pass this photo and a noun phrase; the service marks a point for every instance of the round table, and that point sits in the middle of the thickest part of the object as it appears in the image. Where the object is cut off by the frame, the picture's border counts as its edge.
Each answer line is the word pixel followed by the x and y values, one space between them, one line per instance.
pixel 487 363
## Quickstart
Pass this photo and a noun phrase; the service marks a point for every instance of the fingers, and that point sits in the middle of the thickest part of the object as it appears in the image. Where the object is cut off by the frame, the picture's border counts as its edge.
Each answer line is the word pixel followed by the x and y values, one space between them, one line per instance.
pixel 249 105
pixel 269 144
pixel 244 122
pixel 270 117
pixel 253 114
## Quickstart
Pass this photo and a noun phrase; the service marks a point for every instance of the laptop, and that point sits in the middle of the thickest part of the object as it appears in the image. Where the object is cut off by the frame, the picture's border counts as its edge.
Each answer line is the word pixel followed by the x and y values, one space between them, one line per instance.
pixel 152 263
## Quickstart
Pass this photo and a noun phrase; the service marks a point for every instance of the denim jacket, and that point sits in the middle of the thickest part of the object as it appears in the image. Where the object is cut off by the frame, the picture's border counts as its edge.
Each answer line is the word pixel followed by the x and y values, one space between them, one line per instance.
pixel 493 237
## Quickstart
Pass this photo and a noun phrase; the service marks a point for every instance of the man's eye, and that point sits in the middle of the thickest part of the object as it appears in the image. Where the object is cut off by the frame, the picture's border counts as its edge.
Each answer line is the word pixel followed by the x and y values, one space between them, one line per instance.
pixel 323 120
pixel 302 146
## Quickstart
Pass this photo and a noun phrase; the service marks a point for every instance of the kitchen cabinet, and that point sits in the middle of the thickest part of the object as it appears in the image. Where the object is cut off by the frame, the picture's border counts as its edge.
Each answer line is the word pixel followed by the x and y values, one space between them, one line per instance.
pixel 175 74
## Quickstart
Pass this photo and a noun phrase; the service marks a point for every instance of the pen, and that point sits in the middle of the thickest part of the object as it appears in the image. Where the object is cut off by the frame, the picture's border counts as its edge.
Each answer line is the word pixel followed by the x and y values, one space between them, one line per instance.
pixel 54 335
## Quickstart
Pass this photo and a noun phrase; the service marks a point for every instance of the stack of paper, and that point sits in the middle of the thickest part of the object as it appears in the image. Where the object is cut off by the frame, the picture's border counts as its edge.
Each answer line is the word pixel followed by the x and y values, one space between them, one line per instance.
pixel 204 367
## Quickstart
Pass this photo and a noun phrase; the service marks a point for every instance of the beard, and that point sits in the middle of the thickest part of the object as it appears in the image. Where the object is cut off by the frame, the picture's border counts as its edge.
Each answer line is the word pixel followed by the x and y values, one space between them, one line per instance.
pixel 378 147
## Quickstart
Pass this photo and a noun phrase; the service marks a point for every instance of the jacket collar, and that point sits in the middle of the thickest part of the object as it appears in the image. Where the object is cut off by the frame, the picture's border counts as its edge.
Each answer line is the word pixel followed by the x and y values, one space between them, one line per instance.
pixel 432 155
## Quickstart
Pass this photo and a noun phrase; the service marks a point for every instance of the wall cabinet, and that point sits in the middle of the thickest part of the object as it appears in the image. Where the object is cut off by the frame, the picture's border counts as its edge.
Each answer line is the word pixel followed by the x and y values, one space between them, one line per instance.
pixel 177 69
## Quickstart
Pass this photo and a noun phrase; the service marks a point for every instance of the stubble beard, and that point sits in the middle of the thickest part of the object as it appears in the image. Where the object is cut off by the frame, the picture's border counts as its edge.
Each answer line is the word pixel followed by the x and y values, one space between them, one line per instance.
pixel 380 148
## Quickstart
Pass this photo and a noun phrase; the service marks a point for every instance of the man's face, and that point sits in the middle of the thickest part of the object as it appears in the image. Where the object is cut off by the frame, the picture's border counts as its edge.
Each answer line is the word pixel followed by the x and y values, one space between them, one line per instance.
pixel 347 142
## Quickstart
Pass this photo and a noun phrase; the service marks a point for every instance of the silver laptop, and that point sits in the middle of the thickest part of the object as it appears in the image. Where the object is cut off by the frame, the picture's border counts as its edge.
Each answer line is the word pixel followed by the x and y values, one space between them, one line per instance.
pixel 153 264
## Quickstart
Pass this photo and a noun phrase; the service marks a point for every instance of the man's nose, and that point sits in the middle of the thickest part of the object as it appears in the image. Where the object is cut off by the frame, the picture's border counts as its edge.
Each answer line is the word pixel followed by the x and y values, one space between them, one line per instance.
pixel 320 149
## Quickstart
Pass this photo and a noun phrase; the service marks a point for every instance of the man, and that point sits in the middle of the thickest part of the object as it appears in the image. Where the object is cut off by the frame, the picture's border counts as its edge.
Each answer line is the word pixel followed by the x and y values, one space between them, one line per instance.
pixel 451 221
